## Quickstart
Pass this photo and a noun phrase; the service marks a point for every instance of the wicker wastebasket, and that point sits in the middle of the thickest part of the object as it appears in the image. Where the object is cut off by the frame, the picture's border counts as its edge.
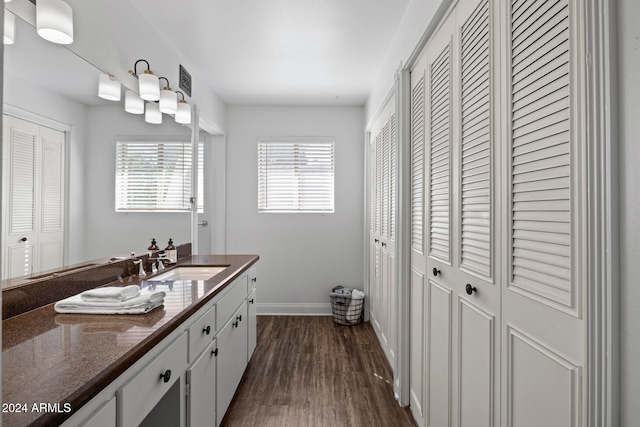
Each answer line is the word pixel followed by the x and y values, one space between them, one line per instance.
pixel 346 305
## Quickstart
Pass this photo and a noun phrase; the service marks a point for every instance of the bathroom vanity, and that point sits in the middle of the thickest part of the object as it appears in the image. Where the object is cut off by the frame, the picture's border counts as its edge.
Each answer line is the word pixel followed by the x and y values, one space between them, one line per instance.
pixel 178 365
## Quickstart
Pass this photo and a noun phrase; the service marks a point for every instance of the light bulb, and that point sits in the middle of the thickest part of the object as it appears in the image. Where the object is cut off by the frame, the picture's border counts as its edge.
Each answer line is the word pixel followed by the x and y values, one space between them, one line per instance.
pixel 183 115
pixel 149 86
pixel 168 101
pixel 133 103
pixel 152 113
pixel 54 21
pixel 109 88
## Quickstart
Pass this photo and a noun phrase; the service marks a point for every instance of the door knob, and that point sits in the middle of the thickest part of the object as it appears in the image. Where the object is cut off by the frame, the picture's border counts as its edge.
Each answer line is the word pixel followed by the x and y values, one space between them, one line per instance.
pixel 24 239
pixel 470 289
pixel 207 330
pixel 435 271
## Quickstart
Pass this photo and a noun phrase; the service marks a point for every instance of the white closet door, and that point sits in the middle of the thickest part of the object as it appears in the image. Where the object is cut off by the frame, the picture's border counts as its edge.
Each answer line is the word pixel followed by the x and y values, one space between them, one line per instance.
pixel 441 298
pixel 51 232
pixel 33 221
pixel 475 241
pixel 20 142
pixel 417 382
pixel 543 317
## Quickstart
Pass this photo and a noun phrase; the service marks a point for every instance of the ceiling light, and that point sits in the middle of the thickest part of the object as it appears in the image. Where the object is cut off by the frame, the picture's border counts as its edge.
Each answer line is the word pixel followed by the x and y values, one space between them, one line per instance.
pixel 133 103
pixel 152 113
pixel 168 99
pixel 54 21
pixel 183 114
pixel 109 87
pixel 148 83
pixel 9 27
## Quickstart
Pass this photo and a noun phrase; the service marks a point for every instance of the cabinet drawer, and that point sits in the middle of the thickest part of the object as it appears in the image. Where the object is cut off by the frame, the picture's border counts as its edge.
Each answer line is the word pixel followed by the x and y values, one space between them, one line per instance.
pixel 201 333
pixel 229 303
pixel 139 396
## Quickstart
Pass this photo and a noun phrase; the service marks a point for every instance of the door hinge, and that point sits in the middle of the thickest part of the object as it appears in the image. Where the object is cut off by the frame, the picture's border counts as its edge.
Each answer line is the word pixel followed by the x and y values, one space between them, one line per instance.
pixel 187 389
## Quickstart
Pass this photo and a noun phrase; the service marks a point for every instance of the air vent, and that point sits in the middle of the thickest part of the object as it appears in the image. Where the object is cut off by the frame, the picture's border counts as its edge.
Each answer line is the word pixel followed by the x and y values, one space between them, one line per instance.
pixel 185 80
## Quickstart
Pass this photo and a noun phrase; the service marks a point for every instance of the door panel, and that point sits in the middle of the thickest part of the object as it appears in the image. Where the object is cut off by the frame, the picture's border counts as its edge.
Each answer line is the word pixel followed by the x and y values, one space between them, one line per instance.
pixel 418 333
pixel 476 365
pixel 542 386
pixel 439 358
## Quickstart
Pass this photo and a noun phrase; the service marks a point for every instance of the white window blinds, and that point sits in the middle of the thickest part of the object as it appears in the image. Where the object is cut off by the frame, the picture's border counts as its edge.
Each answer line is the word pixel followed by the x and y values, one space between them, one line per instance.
pixel 296 176
pixel 156 176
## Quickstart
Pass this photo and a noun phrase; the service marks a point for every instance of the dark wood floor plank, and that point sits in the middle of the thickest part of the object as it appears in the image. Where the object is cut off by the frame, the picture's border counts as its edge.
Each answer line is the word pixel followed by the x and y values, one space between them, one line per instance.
pixel 309 371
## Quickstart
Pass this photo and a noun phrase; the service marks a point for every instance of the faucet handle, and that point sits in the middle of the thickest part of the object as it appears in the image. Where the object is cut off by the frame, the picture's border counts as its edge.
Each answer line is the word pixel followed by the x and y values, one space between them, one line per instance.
pixel 141 271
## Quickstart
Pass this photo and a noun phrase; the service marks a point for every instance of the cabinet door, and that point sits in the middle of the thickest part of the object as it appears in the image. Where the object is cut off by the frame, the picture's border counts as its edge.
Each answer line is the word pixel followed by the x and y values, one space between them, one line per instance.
pixel 232 359
pixel 142 393
pixel 201 377
pixel 252 326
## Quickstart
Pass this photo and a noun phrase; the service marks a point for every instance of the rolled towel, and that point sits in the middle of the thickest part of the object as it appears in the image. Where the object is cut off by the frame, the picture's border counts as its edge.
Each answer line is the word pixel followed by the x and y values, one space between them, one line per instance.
pixel 111 293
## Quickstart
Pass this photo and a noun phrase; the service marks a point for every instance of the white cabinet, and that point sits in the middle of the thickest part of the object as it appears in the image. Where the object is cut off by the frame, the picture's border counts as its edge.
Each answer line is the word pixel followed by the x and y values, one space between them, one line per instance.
pixel 232 358
pixel 201 377
pixel 143 392
pixel 189 378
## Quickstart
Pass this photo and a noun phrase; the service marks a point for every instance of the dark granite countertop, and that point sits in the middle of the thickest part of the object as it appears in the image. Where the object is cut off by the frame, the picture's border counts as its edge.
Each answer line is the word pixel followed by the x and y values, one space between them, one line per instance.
pixel 69 358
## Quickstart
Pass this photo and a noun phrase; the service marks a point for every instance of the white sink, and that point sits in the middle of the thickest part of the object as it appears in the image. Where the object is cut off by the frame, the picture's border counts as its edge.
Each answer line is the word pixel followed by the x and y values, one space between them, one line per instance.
pixel 189 273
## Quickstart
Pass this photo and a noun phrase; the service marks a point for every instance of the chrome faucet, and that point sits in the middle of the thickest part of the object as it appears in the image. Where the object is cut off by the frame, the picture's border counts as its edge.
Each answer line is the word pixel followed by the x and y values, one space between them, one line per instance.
pixel 141 271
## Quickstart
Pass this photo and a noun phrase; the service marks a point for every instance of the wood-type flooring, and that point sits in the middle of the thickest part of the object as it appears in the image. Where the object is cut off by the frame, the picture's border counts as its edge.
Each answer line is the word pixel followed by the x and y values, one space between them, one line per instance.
pixel 309 371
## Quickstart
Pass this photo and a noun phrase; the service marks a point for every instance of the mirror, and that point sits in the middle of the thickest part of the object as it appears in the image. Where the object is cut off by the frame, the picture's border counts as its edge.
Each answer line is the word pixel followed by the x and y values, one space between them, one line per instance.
pixel 51 86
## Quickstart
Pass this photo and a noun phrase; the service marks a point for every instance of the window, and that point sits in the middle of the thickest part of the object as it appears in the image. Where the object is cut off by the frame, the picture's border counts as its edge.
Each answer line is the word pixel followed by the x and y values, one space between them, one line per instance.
pixel 156 176
pixel 296 176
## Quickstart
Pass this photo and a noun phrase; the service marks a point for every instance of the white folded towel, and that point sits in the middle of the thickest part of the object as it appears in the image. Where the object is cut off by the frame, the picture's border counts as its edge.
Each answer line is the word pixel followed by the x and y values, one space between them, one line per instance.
pixel 111 293
pixel 137 305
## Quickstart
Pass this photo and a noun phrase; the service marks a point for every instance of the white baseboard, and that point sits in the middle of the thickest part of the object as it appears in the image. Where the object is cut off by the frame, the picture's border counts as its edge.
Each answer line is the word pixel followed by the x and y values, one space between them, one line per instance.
pixel 294 309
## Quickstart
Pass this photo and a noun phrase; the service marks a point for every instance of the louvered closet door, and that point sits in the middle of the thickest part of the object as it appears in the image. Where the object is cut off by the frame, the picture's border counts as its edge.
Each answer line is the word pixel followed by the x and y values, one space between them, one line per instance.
pixel 475 221
pixel 33 221
pixel 441 298
pixel 462 345
pixel 20 143
pixel 417 381
pixel 543 300
pixel 382 242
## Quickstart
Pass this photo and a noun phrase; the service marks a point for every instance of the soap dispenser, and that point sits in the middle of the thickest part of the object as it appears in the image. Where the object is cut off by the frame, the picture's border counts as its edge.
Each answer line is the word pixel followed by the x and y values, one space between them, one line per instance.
pixel 153 247
pixel 171 251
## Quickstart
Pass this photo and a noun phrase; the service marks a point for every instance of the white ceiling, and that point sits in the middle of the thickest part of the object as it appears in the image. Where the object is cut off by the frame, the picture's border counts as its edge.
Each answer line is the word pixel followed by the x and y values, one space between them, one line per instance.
pixel 294 52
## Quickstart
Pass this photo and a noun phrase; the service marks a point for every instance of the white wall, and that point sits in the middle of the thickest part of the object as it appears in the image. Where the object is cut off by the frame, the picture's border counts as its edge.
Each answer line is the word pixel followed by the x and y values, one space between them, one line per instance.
pixel 302 256
pixel 108 232
pixel 629 132
pixel 415 22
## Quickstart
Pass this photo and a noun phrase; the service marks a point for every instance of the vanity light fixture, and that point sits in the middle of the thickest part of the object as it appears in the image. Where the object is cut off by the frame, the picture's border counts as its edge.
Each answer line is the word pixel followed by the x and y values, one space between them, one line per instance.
pixel 149 84
pixel 168 99
pixel 183 114
pixel 54 21
pixel 109 87
pixel 133 103
pixel 152 113
pixel 9 27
